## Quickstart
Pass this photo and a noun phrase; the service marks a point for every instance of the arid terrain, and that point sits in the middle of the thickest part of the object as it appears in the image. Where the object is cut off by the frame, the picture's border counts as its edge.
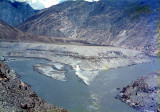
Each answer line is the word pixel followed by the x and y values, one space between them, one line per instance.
pixel 87 61
pixel 88 38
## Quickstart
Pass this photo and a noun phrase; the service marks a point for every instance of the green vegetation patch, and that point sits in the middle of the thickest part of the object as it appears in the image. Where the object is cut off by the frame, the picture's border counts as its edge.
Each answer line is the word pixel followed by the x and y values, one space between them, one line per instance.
pixel 143 9
pixel 136 10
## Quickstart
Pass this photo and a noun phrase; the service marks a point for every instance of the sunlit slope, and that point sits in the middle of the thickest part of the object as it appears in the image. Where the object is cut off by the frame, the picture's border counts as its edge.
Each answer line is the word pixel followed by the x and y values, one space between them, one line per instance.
pixel 124 24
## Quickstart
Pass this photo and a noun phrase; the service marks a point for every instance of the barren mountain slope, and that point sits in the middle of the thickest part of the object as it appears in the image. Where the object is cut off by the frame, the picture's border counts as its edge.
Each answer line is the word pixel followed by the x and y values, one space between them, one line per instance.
pixel 125 24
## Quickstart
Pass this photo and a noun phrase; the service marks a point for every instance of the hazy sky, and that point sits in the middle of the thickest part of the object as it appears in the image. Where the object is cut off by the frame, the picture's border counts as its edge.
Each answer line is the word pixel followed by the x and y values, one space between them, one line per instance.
pixel 40 4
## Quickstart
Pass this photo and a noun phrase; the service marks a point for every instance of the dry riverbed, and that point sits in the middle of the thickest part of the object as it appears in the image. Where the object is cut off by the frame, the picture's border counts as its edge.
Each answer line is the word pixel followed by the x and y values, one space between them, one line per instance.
pixel 53 70
pixel 87 61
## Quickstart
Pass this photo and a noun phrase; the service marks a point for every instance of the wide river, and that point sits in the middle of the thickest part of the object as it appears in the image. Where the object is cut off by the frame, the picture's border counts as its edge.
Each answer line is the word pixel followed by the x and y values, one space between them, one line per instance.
pixel 74 95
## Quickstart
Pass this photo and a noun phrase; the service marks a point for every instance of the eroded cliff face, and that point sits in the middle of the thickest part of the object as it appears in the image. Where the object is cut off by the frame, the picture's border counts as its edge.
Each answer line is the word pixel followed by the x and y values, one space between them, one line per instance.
pixel 15 13
pixel 17 96
pixel 123 24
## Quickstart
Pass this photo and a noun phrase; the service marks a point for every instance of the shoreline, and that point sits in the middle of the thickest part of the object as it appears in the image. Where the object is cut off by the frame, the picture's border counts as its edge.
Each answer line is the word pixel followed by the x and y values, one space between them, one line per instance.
pixel 90 59
pixel 17 96
pixel 77 72
pixel 80 72
pixel 143 93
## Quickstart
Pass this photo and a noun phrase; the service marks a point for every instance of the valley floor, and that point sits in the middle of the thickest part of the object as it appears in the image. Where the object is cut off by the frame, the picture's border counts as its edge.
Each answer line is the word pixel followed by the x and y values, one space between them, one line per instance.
pixel 87 61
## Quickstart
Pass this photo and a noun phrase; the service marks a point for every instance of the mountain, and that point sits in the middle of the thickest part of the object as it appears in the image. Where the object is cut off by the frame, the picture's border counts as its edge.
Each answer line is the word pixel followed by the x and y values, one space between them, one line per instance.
pixel 119 23
pixel 15 13
pixel 9 33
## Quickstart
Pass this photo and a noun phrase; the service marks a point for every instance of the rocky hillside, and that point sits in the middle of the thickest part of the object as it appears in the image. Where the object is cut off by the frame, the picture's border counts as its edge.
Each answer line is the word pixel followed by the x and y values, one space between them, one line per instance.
pixel 9 33
pixel 16 96
pixel 15 13
pixel 125 24
pixel 143 94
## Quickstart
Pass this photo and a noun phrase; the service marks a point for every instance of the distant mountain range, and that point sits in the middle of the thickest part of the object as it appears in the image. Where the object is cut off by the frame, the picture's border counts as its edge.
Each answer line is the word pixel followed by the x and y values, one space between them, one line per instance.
pixel 9 33
pixel 123 24
pixel 15 13
pixel 12 34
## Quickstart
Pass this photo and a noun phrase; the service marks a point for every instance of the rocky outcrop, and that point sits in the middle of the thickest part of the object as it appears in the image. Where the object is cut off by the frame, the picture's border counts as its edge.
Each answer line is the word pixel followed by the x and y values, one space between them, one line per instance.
pixel 143 94
pixel 124 24
pixel 15 12
pixel 15 95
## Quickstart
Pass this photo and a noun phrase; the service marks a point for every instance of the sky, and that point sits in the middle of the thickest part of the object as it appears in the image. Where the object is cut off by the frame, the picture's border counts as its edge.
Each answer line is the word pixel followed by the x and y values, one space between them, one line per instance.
pixel 40 4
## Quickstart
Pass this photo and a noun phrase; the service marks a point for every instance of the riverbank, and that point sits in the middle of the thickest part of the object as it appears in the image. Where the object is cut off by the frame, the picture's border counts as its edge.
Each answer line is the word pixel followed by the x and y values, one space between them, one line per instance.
pixel 86 61
pixel 15 95
pixel 143 94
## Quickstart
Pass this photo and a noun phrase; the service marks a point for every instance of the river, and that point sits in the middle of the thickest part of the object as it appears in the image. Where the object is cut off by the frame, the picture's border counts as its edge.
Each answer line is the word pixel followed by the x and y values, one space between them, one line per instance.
pixel 76 96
